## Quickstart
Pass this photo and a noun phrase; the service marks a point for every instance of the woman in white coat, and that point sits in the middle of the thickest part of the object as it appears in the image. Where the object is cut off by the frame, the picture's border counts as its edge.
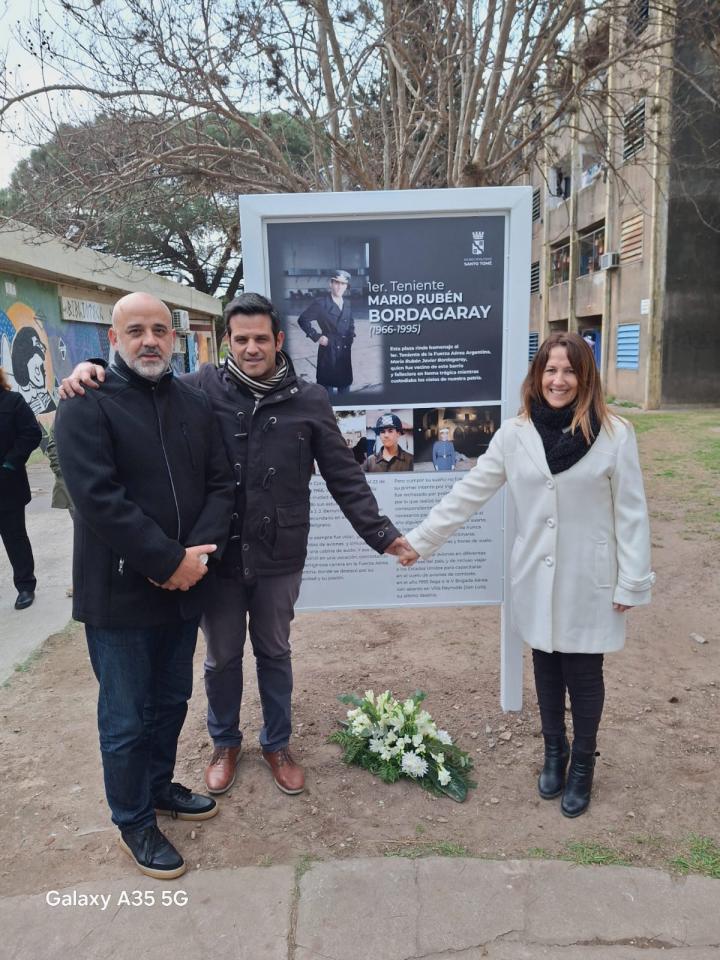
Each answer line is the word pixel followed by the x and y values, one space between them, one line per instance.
pixel 581 558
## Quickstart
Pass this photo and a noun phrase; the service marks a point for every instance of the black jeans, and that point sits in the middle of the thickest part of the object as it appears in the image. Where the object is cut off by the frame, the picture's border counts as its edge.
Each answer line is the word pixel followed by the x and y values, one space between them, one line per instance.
pixel 265 610
pixel 581 674
pixel 17 544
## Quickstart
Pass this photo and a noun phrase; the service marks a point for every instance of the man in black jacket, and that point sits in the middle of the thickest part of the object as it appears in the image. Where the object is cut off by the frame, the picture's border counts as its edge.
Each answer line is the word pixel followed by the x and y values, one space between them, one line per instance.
pixel 144 463
pixel 274 426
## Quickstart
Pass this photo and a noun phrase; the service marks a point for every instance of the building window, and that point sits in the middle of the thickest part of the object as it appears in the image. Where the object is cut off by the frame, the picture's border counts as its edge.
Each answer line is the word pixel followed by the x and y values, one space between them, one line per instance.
pixel 536 205
pixel 535 277
pixel 533 344
pixel 628 347
pixel 631 239
pixel 560 264
pixel 560 182
pixel 591 247
pixel 638 16
pixel 634 131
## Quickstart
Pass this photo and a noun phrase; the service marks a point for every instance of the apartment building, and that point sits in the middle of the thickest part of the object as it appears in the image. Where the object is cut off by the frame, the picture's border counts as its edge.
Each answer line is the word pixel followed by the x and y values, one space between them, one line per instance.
pixel 626 212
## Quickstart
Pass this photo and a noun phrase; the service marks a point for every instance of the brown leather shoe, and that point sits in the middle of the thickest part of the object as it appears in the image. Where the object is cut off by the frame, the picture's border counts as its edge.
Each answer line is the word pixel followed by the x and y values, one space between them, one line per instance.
pixel 288 775
pixel 220 772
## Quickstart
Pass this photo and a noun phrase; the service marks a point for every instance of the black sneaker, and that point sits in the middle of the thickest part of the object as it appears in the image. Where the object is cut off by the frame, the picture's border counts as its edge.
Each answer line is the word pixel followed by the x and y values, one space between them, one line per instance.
pixel 153 853
pixel 178 802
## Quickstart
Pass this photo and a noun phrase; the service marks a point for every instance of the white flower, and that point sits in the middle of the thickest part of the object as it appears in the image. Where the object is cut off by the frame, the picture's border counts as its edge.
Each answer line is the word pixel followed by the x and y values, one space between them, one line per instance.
pixel 413 765
pixel 417 739
pixel 369 696
pixel 444 737
pixel 425 725
pixel 409 707
pixel 443 776
pixel 402 742
pixel 382 701
pixel 390 737
pixel 361 725
pixel 439 758
pixel 375 745
pixel 386 754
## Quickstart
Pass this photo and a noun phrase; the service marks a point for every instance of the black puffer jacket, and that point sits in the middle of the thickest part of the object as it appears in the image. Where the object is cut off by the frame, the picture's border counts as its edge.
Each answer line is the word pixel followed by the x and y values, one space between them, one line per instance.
pixel 271 448
pixel 19 435
pixel 145 466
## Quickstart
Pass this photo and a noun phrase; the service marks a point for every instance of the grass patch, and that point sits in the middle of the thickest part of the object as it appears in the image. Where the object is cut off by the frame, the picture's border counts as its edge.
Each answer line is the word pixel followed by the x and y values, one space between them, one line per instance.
pixel 584 854
pixel 681 463
pixel 412 850
pixel 703 857
pixel 305 861
pixel 29 661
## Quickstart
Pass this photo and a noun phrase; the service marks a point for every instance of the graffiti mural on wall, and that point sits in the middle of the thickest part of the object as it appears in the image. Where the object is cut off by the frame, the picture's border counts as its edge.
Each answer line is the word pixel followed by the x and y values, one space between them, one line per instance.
pixel 37 348
pixel 26 359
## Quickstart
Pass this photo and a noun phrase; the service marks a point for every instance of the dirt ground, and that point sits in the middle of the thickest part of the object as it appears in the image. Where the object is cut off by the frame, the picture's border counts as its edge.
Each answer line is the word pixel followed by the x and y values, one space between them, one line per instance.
pixel 657 777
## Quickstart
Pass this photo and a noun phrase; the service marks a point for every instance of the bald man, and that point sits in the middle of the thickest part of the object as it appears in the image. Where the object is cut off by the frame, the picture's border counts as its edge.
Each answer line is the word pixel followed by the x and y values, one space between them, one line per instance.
pixel 146 469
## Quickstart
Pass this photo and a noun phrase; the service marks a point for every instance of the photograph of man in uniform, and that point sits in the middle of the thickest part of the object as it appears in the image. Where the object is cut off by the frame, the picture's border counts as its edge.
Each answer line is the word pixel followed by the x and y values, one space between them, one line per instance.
pixel 328 321
pixel 391 457
pixel 450 439
pixel 444 454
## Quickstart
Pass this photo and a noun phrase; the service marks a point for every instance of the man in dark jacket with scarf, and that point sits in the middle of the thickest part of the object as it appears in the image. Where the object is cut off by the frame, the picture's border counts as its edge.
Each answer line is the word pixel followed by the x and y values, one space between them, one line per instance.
pixel 274 425
pixel 144 463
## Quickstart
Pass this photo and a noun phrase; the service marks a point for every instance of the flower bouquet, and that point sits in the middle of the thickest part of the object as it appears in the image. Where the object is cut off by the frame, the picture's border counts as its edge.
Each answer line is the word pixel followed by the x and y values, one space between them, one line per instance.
pixel 394 739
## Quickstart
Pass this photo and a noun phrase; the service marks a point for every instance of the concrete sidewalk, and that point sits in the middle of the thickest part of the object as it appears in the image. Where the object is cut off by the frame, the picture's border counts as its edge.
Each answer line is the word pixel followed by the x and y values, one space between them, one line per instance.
pixel 50 532
pixel 385 909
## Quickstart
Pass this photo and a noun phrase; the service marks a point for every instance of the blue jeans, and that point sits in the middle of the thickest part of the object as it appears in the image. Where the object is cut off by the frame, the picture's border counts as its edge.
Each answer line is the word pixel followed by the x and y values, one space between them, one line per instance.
pixel 145 677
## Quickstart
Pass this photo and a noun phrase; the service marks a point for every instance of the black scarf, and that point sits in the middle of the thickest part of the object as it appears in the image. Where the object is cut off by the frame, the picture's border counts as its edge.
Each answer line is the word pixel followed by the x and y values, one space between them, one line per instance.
pixel 563 449
pixel 258 388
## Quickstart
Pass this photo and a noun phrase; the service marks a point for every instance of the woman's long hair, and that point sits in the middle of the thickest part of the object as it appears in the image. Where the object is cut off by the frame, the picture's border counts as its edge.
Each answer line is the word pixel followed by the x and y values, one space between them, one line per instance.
pixel 4 382
pixel 590 398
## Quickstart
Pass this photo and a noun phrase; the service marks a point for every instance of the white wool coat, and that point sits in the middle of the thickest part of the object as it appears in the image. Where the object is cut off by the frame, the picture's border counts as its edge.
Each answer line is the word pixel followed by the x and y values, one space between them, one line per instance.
pixel 583 538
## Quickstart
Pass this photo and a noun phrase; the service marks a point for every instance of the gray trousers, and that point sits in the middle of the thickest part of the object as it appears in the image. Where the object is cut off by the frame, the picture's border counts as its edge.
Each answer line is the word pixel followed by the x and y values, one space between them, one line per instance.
pixel 267 608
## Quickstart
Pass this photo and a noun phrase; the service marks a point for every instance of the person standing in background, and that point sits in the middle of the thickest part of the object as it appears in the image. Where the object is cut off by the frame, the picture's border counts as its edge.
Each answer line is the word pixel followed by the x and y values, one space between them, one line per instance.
pixel 20 434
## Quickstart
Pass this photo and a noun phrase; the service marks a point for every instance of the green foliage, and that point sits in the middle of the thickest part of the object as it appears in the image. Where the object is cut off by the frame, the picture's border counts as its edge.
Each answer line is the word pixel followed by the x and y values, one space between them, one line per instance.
pixel 703 857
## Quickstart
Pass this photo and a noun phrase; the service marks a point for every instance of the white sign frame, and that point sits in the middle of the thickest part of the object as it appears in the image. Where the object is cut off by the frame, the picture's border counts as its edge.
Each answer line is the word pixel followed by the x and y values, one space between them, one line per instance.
pixel 515 204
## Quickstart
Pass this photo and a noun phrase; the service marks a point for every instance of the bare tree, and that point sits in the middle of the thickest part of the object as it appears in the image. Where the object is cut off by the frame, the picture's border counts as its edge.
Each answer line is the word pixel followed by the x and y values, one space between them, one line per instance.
pixel 376 94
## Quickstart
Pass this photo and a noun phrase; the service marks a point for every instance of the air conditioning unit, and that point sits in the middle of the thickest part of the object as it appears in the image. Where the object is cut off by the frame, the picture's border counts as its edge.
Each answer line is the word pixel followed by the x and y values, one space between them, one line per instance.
pixel 609 260
pixel 180 344
pixel 181 320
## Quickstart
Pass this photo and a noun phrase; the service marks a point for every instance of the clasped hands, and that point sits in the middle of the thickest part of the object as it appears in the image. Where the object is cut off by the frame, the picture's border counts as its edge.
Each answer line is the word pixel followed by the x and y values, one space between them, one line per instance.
pixel 193 567
pixel 401 549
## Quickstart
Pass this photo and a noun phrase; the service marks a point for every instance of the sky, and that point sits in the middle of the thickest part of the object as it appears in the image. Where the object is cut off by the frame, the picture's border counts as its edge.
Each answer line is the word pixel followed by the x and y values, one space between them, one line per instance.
pixel 23 69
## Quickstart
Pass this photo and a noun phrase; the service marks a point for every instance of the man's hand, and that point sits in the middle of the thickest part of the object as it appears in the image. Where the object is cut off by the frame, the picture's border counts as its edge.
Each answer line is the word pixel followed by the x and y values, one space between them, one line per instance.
pixel 323 341
pixel 405 554
pixel 85 374
pixel 192 568
pixel 621 607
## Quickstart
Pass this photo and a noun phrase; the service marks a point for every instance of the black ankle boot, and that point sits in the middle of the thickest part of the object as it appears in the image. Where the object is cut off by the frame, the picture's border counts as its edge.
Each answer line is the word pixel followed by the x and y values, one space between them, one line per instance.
pixel 576 796
pixel 552 777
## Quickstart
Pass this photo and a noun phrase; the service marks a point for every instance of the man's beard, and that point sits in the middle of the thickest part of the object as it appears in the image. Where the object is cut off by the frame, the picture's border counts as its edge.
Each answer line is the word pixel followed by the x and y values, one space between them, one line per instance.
pixel 149 370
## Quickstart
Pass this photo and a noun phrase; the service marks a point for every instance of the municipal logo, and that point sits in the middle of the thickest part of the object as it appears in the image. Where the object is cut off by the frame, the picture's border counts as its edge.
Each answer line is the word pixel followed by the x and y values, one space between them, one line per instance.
pixel 478 243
